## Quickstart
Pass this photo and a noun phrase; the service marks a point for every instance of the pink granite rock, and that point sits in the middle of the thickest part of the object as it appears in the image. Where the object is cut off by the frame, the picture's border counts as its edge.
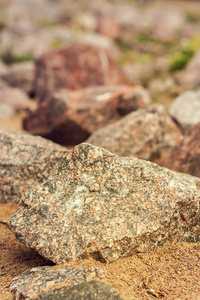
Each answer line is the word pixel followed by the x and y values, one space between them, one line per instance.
pixel 75 67
pixel 147 133
pixel 70 117
pixel 25 161
pixel 108 26
pixel 186 155
pixel 103 206
pixel 94 290
pixel 33 282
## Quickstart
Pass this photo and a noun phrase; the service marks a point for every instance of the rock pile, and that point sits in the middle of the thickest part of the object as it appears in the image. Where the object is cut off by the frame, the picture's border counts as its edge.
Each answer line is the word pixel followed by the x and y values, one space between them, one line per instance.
pixel 70 117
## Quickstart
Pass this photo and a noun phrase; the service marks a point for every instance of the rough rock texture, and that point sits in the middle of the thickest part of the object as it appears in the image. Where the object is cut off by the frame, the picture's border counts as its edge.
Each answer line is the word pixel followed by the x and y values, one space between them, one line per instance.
pixel 186 155
pixel 70 117
pixel 101 205
pixel 147 133
pixel 93 290
pixel 25 161
pixel 75 67
pixel 16 98
pixel 186 109
pixel 189 78
pixel 39 280
pixel 21 75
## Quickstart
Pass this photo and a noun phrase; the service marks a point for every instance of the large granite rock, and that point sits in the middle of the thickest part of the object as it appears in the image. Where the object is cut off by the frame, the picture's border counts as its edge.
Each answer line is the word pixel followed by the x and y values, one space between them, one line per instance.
pixel 70 117
pixel 104 206
pixel 147 133
pixel 186 109
pixel 75 67
pixel 92 290
pixel 25 161
pixel 36 281
pixel 185 157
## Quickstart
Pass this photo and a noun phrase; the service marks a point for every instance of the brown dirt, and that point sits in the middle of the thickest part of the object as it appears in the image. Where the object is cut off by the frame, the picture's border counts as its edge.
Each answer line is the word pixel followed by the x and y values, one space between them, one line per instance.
pixel 170 272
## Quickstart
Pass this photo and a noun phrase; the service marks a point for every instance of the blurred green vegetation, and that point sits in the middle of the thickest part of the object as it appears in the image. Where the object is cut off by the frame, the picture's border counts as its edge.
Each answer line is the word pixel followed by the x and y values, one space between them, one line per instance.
pixel 10 58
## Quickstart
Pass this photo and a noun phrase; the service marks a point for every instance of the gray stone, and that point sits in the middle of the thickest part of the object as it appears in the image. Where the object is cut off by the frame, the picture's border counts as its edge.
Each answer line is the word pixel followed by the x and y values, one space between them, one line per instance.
pixel 25 161
pixel 146 133
pixel 186 109
pixel 104 206
pixel 93 290
pixel 35 281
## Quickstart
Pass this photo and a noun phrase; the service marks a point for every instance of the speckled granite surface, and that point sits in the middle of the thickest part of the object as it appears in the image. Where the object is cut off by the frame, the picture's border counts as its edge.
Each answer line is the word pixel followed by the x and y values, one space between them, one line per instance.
pixel 101 205
pixel 93 290
pixel 146 133
pixel 25 161
pixel 35 281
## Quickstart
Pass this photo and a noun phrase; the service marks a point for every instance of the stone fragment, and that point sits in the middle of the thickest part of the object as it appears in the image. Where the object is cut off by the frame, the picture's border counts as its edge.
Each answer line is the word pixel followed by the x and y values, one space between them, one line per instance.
pixel 108 26
pixel 70 117
pixel 186 109
pixel 75 67
pixel 15 98
pixel 39 280
pixel 103 206
pixel 25 161
pixel 20 75
pixel 186 155
pixel 147 133
pixel 94 290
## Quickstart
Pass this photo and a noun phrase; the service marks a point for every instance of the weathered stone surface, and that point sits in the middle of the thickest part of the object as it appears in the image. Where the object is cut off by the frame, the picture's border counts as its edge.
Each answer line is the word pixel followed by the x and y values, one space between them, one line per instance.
pixel 25 161
pixel 94 290
pixel 20 75
pixel 101 205
pixel 75 67
pixel 35 281
pixel 70 117
pixel 186 109
pixel 146 133
pixel 16 98
pixel 186 155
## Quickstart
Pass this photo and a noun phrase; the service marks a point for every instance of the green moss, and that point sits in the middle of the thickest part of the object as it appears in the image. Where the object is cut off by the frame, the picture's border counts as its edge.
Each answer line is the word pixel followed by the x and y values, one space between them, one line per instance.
pixel 9 58
pixel 57 43
pixel 180 58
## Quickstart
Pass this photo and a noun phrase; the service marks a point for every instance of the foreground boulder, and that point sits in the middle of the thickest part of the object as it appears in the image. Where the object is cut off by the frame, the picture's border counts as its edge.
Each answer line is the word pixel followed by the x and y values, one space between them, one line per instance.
pixel 40 280
pixel 70 117
pixel 185 110
pixel 104 206
pixel 25 161
pixel 185 157
pixel 93 290
pixel 146 133
pixel 75 67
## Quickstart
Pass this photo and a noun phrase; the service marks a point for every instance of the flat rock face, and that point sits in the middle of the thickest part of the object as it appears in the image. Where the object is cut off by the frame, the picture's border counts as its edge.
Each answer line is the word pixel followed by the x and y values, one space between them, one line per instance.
pixel 104 206
pixel 186 109
pixel 75 67
pixel 147 134
pixel 40 280
pixel 186 155
pixel 94 290
pixel 25 161
pixel 70 117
